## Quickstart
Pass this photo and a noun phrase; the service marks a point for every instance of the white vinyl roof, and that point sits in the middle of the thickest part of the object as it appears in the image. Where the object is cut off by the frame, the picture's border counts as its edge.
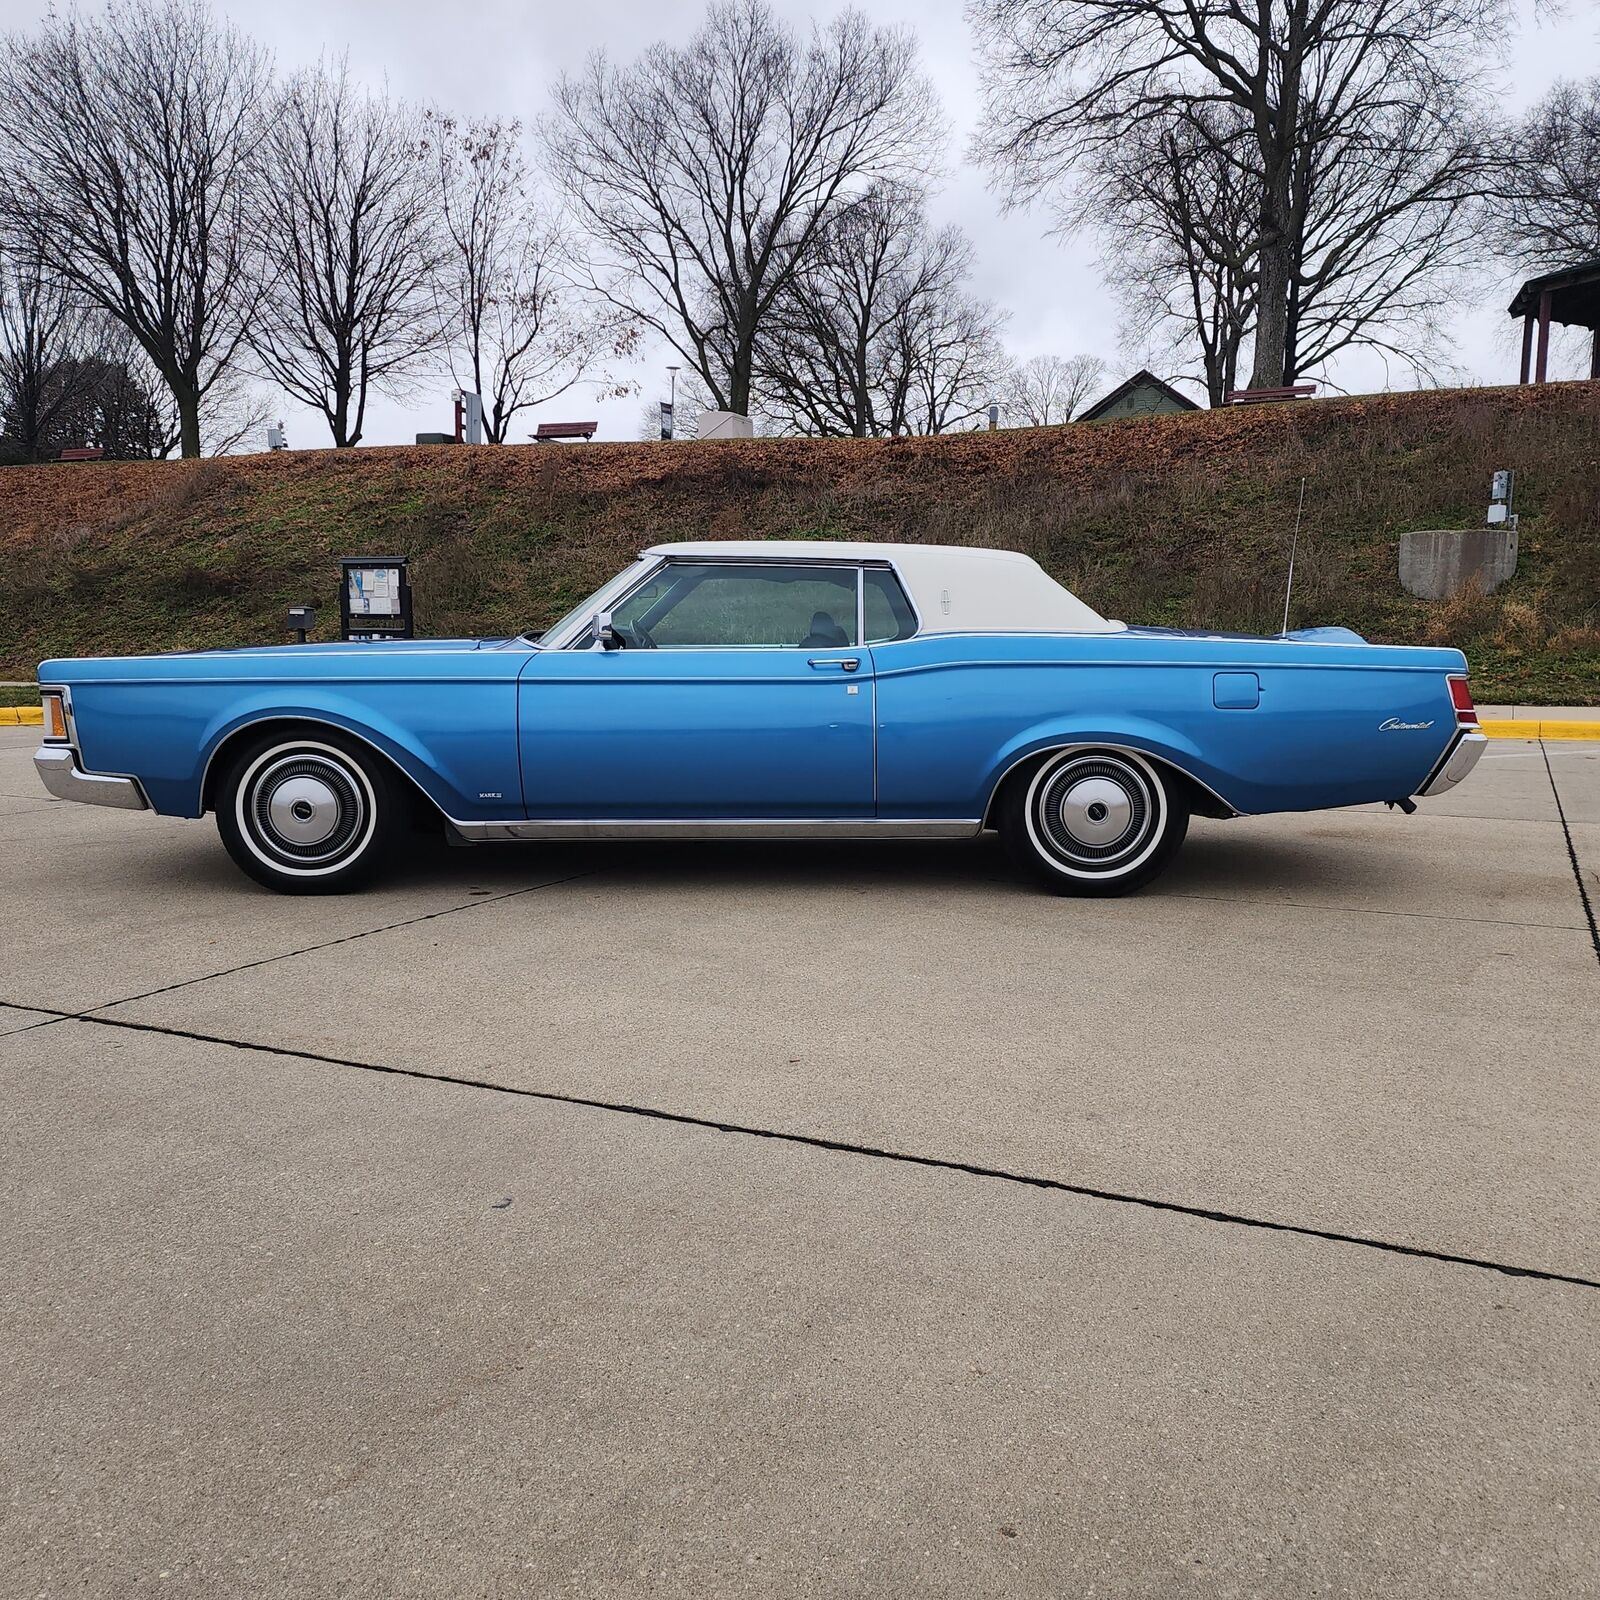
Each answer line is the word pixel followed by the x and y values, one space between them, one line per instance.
pixel 955 588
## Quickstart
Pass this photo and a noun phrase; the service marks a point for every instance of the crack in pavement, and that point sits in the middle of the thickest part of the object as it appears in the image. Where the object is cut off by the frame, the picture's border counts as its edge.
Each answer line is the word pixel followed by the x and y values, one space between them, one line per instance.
pixel 311 949
pixel 1572 855
pixel 844 1147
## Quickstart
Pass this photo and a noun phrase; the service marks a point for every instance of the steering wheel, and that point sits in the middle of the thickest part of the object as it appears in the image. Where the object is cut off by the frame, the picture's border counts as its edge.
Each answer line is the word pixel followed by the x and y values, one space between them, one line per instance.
pixel 634 636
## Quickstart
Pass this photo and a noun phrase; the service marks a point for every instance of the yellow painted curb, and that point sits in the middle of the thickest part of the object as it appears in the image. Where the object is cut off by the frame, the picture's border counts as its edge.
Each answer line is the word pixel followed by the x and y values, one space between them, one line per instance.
pixel 21 716
pixel 1535 728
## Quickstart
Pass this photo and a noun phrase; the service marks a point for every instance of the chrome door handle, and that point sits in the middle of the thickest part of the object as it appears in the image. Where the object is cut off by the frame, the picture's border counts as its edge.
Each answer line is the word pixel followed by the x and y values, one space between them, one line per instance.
pixel 843 663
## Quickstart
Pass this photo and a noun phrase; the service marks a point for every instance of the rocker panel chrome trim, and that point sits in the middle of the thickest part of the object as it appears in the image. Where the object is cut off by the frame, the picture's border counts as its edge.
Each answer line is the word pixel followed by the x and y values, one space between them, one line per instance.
pixel 720 828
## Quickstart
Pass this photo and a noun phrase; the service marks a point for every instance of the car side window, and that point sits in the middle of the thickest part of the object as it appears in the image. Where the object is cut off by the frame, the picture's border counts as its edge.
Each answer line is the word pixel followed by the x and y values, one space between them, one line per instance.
pixel 719 603
pixel 888 613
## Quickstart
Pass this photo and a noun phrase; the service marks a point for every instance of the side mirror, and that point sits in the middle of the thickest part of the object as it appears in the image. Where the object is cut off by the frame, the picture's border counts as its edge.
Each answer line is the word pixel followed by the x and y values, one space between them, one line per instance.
pixel 605 636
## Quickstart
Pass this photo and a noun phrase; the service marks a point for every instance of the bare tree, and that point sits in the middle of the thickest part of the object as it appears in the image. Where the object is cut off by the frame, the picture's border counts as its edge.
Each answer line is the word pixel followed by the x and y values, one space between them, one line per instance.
pixel 1310 84
pixel 237 412
pixel 844 348
pixel 124 410
pixel 127 165
pixel 70 377
pixel 1550 212
pixel 1046 390
pixel 519 332
pixel 1387 231
pixel 1382 236
pixel 351 249
pixel 41 341
pixel 1172 207
pixel 958 366
pixel 705 173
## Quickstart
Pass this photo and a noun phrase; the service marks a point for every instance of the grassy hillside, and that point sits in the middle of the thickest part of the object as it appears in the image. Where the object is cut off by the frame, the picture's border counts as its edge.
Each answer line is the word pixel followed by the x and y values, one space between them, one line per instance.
pixel 1181 520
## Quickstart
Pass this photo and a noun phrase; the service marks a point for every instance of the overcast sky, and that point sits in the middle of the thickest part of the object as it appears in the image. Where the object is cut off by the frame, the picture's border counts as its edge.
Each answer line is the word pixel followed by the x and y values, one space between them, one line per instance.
pixel 497 57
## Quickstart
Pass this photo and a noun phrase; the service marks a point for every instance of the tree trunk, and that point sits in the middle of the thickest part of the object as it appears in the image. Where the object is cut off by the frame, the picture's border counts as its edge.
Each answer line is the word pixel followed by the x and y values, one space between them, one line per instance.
pixel 1214 355
pixel 1277 133
pixel 339 422
pixel 1291 339
pixel 1272 305
pixel 188 423
pixel 741 378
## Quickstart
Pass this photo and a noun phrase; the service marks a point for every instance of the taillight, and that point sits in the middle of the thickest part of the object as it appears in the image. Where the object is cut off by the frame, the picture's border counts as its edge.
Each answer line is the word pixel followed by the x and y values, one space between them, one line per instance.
pixel 55 716
pixel 1461 699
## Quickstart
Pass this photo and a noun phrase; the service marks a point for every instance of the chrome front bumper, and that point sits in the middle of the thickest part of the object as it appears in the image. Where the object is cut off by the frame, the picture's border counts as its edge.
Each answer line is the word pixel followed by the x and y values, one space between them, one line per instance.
pixel 1455 764
pixel 58 769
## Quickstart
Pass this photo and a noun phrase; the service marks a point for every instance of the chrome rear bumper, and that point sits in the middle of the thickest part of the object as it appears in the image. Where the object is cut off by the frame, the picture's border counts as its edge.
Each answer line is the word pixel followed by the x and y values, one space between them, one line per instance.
pixel 1455 764
pixel 58 769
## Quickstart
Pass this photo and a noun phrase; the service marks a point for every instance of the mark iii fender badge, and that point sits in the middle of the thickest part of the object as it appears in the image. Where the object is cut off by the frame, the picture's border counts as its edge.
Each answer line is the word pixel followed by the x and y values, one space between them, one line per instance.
pixel 1395 725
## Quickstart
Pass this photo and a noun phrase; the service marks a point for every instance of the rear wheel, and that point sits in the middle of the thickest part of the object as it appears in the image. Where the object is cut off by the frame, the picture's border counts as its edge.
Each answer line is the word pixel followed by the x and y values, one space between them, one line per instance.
pixel 309 813
pixel 1094 822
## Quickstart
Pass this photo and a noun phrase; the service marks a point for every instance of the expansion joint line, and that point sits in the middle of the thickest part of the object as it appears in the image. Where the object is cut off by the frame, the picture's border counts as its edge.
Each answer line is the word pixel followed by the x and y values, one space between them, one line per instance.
pixel 309 950
pixel 1572 854
pixel 871 1152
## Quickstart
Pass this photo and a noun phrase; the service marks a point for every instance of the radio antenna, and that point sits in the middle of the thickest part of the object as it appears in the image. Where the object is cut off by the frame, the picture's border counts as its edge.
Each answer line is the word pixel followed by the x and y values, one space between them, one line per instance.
pixel 1294 545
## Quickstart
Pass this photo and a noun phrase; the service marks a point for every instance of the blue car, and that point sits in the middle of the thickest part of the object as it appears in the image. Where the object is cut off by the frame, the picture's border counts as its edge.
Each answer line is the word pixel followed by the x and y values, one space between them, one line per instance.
pixel 766 690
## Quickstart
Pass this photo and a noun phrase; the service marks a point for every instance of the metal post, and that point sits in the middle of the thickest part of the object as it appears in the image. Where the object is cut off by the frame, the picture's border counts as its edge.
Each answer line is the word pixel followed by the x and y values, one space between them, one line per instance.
pixel 1543 363
pixel 1594 355
pixel 1527 348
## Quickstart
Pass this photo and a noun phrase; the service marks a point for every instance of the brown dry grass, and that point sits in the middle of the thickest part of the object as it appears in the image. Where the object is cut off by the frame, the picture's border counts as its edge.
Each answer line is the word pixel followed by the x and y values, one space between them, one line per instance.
pixel 1182 520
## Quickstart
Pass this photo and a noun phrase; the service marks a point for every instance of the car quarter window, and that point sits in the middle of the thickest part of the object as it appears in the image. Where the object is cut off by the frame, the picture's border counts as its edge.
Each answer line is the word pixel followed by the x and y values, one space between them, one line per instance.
pixel 888 613
pixel 721 603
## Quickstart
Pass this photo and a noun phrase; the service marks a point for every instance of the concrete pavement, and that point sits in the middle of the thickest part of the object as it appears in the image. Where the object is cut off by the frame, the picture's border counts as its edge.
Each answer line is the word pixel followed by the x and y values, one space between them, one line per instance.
pixel 282 1325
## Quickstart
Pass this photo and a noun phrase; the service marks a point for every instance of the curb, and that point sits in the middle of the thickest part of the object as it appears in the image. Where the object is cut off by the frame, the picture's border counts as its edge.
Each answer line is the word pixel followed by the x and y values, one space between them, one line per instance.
pixel 21 716
pixel 1534 728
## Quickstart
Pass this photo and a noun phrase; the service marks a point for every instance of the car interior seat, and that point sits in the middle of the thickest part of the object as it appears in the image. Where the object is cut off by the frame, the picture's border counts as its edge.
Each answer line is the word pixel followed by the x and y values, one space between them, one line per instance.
pixel 826 634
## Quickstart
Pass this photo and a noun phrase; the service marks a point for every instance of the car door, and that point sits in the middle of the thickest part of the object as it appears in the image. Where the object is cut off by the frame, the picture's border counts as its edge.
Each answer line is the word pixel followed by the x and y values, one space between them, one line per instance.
pixel 740 690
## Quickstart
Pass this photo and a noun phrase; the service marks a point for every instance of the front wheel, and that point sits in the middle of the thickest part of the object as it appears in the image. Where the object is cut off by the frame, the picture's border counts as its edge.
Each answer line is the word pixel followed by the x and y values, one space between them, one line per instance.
pixel 308 813
pixel 1094 822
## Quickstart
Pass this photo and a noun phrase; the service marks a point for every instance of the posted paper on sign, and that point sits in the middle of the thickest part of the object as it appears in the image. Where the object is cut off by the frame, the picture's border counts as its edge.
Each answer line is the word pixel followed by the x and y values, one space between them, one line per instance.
pixel 375 592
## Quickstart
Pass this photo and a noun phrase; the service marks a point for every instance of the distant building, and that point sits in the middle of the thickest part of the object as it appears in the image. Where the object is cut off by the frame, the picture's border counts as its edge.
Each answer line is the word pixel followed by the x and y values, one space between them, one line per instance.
pixel 1143 395
pixel 1570 297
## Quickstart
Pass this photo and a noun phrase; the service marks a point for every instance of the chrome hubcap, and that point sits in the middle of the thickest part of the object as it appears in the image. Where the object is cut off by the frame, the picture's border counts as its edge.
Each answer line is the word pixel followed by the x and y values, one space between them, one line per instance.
pixel 306 808
pixel 303 810
pixel 1096 811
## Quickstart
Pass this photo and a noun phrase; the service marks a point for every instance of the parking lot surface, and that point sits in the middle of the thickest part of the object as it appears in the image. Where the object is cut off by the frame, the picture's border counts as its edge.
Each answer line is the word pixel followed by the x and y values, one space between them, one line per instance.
pixel 691 1220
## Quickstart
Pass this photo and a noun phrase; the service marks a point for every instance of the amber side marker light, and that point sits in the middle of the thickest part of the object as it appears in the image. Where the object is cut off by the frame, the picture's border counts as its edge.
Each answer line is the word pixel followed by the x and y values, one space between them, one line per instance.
pixel 1461 699
pixel 55 716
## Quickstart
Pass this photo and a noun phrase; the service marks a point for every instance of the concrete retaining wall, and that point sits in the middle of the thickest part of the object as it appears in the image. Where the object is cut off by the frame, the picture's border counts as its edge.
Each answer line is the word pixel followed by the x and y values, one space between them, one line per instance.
pixel 1435 563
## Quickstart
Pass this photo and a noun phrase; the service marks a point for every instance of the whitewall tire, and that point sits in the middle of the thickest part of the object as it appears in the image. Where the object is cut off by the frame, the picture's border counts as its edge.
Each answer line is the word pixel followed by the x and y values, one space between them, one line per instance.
pixel 1091 821
pixel 311 813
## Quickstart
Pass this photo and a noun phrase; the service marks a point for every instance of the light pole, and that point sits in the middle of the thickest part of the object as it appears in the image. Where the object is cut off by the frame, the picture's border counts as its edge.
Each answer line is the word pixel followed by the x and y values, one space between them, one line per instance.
pixel 671 430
